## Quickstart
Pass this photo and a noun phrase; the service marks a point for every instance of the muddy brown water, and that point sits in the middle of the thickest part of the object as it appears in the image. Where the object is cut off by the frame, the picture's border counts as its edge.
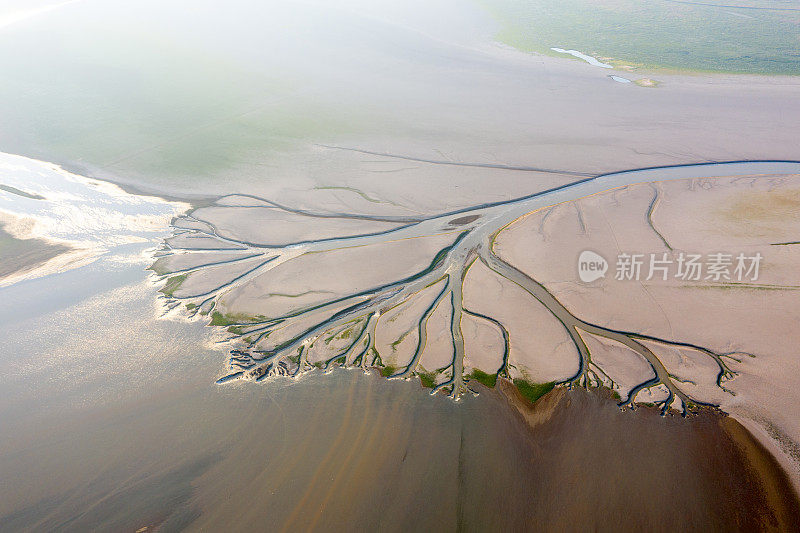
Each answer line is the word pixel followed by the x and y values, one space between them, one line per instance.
pixel 358 452
pixel 347 451
pixel 596 467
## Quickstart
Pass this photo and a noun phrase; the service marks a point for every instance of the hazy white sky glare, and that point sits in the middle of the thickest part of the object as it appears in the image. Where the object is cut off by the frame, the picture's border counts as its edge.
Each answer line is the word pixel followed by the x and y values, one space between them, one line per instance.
pixel 14 15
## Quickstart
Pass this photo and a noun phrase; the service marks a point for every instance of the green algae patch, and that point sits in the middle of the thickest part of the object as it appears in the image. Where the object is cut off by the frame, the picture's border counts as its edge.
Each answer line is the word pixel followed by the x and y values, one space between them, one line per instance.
pixel 219 319
pixel 346 334
pixel 533 391
pixel 668 36
pixel 488 380
pixel 388 370
pixel 173 284
pixel 342 335
pixel 158 267
pixel 338 360
pixel 647 82
pixel 427 379
pixel 399 340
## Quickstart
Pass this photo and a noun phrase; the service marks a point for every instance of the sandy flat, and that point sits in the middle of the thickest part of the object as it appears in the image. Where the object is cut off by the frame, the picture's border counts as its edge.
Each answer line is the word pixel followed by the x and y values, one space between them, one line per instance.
pixel 746 215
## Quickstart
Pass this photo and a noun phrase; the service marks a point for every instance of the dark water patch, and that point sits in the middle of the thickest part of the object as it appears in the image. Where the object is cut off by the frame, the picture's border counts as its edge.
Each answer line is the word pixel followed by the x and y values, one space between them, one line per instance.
pixel 149 502
pixel 464 220
pixel 19 255
pixel 345 451
pixel 19 192
pixel 595 467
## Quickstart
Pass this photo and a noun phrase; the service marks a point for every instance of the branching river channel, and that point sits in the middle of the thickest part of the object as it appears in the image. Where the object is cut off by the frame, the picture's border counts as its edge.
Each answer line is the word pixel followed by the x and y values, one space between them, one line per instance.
pixel 258 354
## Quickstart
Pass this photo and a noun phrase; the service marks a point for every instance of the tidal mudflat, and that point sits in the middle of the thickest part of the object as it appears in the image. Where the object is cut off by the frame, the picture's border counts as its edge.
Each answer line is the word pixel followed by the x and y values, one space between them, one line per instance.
pixel 99 94
pixel 114 430
pixel 454 300
pixel 346 207
pixel 372 296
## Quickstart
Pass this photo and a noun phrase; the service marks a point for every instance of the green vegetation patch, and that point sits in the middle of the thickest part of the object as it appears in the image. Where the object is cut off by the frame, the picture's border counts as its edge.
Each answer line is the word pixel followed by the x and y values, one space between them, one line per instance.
pixel 342 335
pixel 346 334
pixel 647 82
pixel 482 377
pixel 173 284
pixel 427 379
pixel 218 319
pixel 533 391
pixel 399 340
pixel 754 37
pixel 388 370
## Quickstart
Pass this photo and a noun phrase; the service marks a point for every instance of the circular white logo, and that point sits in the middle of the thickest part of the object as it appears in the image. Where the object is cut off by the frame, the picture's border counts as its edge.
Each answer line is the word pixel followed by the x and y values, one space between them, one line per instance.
pixel 591 266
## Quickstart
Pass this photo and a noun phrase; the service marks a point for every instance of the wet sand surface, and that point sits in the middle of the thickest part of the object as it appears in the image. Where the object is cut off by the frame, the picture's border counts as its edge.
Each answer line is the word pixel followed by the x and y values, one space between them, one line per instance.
pixel 18 255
